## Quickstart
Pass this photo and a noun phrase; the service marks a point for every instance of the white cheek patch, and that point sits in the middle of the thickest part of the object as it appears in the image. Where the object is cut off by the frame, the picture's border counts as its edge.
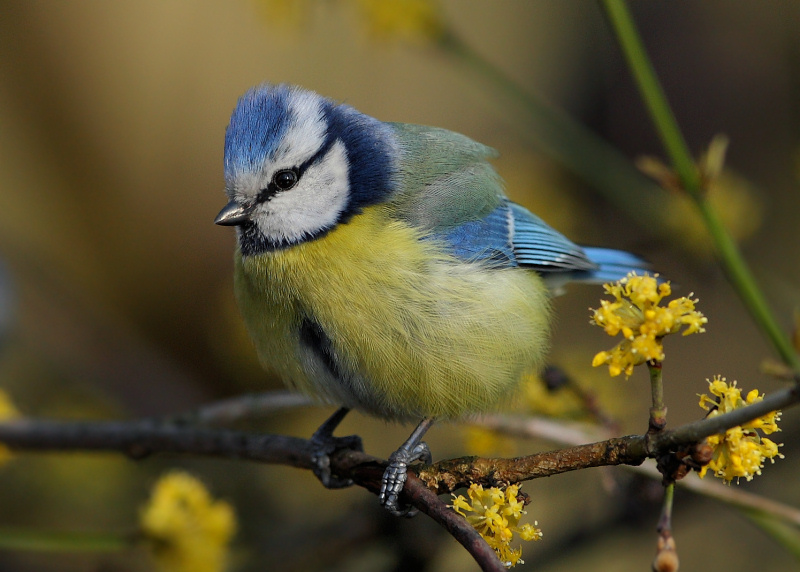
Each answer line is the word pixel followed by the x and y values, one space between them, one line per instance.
pixel 313 205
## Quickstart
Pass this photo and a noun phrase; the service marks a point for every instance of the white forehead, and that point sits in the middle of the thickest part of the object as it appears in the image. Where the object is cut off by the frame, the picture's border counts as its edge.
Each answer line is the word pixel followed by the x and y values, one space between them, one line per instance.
pixel 306 132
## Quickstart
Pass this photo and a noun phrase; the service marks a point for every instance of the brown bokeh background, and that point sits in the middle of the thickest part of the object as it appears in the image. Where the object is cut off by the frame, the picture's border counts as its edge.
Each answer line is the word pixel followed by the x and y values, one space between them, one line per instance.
pixel 112 116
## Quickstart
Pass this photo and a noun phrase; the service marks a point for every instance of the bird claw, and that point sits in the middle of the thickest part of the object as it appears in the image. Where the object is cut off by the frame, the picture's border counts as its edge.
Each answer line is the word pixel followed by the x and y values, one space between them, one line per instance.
pixel 321 458
pixel 395 475
pixel 325 445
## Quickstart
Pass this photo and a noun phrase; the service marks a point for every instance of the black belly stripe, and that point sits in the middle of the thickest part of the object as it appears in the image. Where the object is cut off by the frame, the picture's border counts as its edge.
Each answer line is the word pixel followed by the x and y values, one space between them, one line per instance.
pixel 314 338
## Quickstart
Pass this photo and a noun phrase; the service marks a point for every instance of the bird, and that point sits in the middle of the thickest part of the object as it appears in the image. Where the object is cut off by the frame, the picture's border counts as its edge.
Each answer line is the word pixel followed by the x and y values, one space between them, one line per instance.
pixel 380 267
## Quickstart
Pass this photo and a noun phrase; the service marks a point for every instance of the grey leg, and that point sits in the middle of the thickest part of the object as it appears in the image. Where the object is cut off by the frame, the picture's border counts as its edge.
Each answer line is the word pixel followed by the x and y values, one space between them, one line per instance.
pixel 414 449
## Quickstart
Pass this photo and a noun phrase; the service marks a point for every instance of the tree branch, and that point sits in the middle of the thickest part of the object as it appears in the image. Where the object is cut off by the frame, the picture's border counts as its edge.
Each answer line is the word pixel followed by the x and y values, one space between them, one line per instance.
pixel 139 439
pixel 240 407
pixel 447 476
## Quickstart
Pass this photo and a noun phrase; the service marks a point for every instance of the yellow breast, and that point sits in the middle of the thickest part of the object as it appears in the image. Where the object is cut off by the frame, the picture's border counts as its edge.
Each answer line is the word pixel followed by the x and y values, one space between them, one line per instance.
pixel 411 331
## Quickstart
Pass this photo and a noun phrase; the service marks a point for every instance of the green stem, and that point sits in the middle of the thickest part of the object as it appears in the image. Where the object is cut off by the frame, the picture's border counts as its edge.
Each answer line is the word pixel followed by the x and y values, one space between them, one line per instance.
pixel 691 180
pixel 745 285
pixel 665 522
pixel 564 140
pixel 658 412
pixel 786 535
pixel 52 541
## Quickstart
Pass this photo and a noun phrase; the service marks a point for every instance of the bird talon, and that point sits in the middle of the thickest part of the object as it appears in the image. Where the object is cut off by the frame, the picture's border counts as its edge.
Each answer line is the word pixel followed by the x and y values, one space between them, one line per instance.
pixel 325 445
pixel 395 476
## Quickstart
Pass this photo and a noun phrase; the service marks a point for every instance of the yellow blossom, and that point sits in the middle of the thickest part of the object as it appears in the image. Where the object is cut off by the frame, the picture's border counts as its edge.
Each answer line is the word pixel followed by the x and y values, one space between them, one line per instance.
pixel 635 313
pixel 409 20
pixel 286 14
pixel 405 19
pixel 562 401
pixel 7 413
pixel 495 514
pixel 487 443
pixel 187 530
pixel 740 451
pixel 729 194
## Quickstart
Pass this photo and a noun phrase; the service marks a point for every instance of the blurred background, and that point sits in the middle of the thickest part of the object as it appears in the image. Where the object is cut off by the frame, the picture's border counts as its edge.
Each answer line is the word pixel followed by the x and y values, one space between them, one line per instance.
pixel 116 296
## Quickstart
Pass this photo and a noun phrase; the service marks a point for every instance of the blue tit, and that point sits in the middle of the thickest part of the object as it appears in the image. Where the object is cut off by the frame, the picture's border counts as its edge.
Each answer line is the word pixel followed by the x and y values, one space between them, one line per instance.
pixel 380 266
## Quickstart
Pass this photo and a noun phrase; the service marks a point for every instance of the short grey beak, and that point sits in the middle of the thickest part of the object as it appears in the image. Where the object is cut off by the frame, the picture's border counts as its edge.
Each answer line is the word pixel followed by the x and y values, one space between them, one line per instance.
pixel 233 214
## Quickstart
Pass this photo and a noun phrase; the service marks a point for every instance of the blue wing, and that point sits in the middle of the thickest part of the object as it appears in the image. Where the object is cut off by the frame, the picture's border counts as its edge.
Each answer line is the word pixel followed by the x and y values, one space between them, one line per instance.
pixel 488 239
pixel 510 235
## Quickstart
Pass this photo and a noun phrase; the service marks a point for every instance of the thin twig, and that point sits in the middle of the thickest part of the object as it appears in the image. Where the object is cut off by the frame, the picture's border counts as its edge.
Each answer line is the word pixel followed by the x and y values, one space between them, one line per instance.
pixel 242 407
pixel 666 554
pixel 698 430
pixel 658 411
pixel 139 439
pixel 665 520
pixel 449 475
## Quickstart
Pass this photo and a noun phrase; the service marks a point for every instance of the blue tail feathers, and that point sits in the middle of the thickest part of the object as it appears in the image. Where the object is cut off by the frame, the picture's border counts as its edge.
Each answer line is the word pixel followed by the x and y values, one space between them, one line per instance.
pixel 612 265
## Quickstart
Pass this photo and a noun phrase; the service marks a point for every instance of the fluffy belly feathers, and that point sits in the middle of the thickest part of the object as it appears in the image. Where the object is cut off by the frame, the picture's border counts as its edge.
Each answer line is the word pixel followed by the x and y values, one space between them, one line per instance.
pixel 373 318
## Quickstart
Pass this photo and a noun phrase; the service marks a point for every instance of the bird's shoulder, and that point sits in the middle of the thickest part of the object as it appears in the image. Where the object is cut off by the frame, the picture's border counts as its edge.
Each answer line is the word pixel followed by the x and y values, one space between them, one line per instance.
pixel 444 178
pixel 448 188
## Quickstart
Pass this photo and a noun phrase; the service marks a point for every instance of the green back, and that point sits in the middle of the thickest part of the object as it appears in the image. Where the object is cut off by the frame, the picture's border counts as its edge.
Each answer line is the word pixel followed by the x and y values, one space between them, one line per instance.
pixel 445 178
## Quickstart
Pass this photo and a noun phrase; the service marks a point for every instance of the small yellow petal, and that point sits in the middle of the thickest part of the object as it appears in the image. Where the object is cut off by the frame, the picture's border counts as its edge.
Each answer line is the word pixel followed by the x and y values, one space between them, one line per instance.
pixel 7 412
pixel 600 359
pixel 187 530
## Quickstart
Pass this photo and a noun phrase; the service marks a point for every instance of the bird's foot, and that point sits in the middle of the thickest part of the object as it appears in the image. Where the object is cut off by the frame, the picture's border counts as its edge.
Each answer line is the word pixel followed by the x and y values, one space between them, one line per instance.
pixel 325 445
pixel 395 475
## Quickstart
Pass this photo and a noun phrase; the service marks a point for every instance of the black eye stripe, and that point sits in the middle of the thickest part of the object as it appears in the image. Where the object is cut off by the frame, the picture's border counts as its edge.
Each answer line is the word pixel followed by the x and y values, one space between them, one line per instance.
pixel 273 188
pixel 326 146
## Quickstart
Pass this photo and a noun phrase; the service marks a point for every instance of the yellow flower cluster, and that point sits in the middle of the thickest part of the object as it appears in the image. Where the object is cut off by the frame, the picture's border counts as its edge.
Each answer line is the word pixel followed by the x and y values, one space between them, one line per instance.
pixel 187 530
pixel 402 19
pixel 495 515
pixel 562 401
pixel 7 413
pixel 740 451
pixel 636 314
pixel 483 442
pixel 405 20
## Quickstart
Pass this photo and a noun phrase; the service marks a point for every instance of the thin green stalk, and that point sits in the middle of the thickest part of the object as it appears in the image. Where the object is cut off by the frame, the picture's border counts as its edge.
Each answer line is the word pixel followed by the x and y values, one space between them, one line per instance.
pixel 665 522
pixel 658 412
pixel 561 138
pixel 52 541
pixel 666 556
pixel 742 279
pixel 730 257
pixel 786 535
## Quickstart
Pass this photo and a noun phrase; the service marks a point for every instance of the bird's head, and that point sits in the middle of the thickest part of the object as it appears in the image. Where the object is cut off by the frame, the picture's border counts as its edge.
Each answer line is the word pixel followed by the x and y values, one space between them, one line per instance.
pixel 297 165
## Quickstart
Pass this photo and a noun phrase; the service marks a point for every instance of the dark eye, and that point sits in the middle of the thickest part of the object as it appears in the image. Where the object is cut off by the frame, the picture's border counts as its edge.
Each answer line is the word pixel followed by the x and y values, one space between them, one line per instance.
pixel 285 179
